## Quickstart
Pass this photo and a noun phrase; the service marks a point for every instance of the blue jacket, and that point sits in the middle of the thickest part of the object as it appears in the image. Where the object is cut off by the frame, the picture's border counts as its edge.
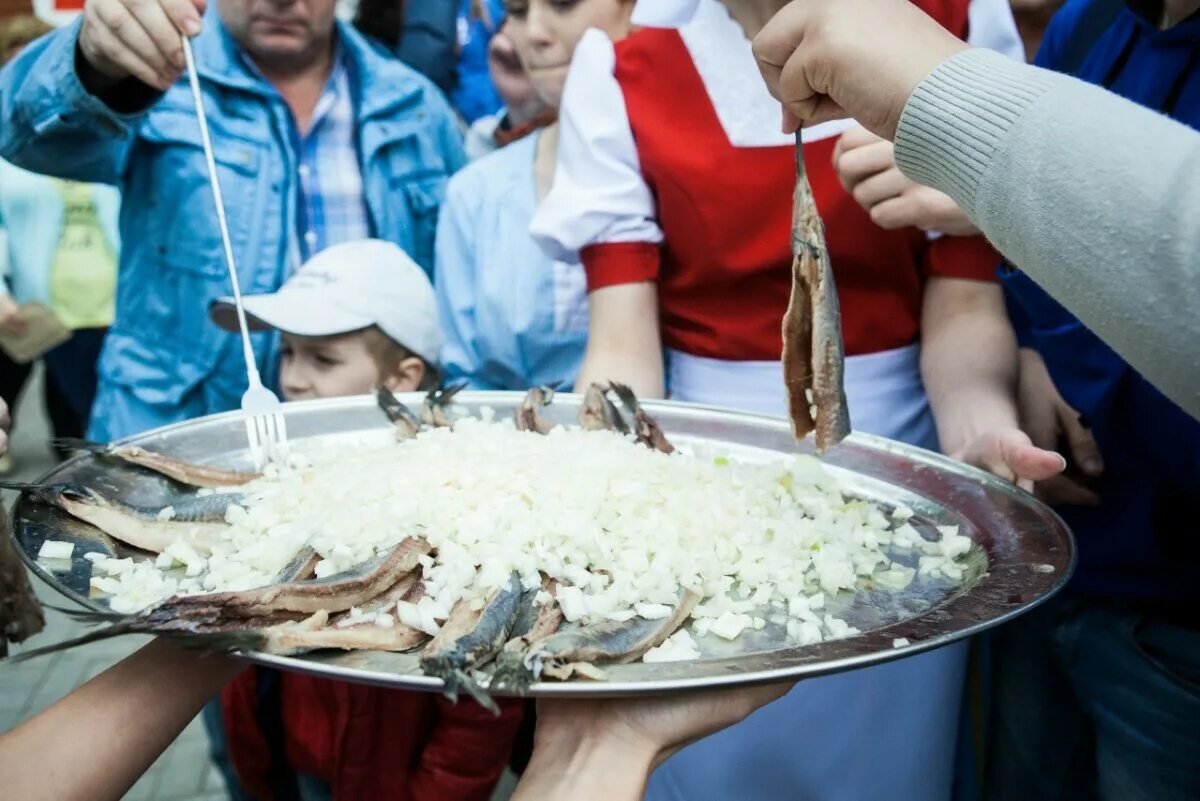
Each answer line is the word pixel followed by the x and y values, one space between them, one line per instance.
pixel 164 361
pixel 1142 541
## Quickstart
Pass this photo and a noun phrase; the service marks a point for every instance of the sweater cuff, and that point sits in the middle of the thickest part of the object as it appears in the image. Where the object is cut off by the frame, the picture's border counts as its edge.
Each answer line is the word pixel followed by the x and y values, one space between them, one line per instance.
pixel 958 116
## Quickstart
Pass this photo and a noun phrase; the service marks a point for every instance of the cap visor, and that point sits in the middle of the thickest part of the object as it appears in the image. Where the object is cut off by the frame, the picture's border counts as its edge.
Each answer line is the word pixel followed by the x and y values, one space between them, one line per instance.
pixel 301 314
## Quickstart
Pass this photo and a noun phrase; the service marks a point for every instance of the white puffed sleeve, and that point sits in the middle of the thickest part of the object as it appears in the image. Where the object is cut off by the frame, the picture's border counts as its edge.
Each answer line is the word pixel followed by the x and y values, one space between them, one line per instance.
pixel 990 24
pixel 599 195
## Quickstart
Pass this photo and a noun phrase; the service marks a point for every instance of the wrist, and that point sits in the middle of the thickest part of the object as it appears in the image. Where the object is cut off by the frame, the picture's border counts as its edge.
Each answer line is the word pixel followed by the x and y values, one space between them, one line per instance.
pixel 95 79
pixel 586 763
pixel 977 412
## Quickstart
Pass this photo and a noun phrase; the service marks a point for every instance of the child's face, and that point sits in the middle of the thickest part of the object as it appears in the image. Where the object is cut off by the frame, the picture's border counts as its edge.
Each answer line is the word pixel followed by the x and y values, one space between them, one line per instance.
pixel 326 367
pixel 334 367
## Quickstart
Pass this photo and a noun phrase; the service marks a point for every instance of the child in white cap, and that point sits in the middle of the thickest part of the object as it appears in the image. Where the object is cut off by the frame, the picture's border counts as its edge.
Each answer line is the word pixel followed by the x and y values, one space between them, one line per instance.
pixel 355 315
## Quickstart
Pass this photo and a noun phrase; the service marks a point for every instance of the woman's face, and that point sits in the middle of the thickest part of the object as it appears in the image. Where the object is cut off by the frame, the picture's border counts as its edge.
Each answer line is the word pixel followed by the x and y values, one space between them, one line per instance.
pixel 545 33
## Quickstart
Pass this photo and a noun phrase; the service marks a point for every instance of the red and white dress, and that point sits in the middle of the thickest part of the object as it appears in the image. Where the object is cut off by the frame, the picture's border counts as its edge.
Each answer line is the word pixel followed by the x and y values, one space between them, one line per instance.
pixel 672 169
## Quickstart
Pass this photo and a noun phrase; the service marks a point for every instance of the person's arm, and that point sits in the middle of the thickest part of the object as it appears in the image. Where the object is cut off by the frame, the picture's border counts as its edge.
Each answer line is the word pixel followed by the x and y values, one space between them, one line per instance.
pixel 126 716
pixel 604 750
pixel 1118 246
pixel 1017 148
pixel 71 100
pixel 969 366
pixel 623 340
pixel 600 207
pixel 466 751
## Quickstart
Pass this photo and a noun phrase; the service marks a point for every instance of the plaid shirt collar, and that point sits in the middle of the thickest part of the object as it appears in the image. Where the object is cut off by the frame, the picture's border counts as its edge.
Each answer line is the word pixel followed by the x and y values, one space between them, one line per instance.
pixel 331 206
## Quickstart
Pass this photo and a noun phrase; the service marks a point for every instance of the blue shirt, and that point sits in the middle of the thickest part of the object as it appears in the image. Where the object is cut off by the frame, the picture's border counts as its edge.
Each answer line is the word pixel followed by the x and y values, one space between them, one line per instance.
pixel 512 317
pixel 1139 543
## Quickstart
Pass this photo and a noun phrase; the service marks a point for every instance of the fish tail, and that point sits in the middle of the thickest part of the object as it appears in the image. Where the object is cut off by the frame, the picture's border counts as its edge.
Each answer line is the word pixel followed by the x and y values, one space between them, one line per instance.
pixel 92 616
pixel 77 444
pixel 457 680
pixel 21 486
pixel 626 396
pixel 444 396
pixel 511 674
pixel 115 630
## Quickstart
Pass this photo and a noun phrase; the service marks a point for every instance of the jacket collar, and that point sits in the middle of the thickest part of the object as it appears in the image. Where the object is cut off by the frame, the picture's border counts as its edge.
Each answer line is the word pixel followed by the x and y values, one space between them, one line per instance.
pixel 378 82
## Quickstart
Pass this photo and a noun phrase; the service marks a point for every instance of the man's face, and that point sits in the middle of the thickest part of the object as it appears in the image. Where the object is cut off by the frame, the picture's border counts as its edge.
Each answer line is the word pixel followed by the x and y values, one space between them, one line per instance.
pixel 279 32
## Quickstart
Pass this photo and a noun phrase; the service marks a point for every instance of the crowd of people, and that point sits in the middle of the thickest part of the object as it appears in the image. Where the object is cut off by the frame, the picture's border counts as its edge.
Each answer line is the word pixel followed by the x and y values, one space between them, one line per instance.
pixel 564 191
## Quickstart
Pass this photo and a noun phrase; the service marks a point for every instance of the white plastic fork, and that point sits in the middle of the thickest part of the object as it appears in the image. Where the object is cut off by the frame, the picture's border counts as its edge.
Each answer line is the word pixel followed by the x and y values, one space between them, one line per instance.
pixel 266 427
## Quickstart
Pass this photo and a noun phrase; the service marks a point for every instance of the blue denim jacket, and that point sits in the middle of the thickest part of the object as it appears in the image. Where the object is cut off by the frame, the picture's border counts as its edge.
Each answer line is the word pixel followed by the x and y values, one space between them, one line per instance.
pixel 164 361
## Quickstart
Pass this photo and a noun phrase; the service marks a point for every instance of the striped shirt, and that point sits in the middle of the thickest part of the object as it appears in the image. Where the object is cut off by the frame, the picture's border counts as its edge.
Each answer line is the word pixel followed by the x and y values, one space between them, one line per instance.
pixel 332 208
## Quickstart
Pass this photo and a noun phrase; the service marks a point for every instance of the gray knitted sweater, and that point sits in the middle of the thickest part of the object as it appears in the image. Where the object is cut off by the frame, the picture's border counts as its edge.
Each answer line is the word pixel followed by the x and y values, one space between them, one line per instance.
pixel 1095 198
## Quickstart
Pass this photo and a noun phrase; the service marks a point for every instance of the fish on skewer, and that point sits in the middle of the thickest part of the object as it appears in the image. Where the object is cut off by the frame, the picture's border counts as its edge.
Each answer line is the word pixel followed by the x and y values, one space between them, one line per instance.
pixel 645 428
pixel 813 353
pixel 471 637
pixel 599 413
pixel 198 521
pixel 20 611
pixel 179 471
pixel 580 650
pixel 528 416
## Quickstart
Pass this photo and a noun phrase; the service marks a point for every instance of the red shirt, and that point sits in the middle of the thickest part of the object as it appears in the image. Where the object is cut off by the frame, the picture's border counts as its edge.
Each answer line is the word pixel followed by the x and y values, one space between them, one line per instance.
pixel 724 268
pixel 369 743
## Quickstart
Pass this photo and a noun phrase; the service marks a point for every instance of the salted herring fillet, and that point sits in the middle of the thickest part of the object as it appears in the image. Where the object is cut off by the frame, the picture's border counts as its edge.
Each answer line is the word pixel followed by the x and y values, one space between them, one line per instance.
pixel 336 593
pixel 813 353
pixel 194 475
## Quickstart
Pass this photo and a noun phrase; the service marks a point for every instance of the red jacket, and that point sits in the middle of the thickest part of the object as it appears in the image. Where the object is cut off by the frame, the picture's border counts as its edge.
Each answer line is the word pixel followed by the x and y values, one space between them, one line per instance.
pixel 368 743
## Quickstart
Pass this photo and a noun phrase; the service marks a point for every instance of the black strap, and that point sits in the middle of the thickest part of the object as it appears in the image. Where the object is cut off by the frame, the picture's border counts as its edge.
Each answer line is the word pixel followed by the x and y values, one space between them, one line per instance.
pixel 269 715
pixel 1097 18
pixel 1118 66
pixel 1181 80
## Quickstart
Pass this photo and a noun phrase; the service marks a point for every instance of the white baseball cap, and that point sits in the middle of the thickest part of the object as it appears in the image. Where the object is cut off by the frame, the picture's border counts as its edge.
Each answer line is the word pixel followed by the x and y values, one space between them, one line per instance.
pixel 346 288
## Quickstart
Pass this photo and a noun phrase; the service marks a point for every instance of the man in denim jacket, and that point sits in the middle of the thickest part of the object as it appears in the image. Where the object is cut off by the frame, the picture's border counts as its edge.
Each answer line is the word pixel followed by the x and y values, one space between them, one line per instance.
pixel 318 140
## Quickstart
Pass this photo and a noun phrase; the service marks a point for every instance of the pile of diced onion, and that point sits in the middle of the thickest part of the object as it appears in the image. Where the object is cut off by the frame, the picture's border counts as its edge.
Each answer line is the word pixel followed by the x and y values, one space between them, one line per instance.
pixel 621 527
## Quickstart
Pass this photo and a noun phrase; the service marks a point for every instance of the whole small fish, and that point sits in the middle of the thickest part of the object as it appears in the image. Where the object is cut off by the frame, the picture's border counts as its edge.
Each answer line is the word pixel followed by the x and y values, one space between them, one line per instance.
pixel 580 650
pixel 645 428
pixel 469 638
pixel 529 414
pixel 599 413
pixel 193 475
pixel 199 521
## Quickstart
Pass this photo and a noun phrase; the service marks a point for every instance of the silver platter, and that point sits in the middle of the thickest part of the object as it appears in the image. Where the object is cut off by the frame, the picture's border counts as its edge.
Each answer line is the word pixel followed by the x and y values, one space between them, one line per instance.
pixel 1023 552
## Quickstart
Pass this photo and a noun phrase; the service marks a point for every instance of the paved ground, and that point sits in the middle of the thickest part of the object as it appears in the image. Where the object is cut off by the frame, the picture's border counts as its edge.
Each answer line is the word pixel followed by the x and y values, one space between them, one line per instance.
pixel 183 773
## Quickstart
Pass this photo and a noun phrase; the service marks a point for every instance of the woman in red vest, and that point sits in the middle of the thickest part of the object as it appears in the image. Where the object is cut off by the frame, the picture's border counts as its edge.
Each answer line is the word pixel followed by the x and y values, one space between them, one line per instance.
pixel 675 185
